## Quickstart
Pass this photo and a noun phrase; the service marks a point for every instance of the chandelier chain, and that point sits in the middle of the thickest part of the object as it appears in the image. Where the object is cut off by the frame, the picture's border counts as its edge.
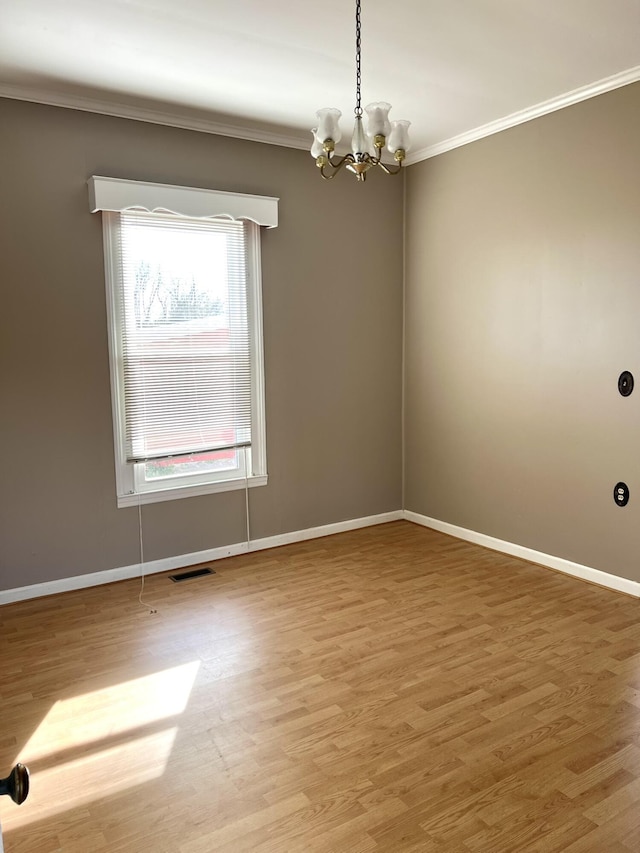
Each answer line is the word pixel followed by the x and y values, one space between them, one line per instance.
pixel 358 109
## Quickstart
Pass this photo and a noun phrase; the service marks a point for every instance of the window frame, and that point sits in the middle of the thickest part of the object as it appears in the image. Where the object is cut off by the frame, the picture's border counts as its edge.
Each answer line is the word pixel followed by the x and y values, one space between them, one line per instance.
pixel 131 488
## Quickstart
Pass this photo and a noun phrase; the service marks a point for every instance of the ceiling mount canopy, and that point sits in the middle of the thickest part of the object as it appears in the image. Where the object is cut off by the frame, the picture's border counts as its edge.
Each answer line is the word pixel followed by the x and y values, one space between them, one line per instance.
pixel 367 144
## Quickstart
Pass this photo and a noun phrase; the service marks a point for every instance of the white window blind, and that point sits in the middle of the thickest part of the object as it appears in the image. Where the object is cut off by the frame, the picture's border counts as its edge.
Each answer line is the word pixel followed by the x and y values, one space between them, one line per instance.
pixel 185 349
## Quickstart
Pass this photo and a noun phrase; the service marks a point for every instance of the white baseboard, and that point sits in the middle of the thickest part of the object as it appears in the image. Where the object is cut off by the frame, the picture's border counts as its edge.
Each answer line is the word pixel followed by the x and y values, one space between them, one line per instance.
pixel 183 560
pixel 325 530
pixel 558 563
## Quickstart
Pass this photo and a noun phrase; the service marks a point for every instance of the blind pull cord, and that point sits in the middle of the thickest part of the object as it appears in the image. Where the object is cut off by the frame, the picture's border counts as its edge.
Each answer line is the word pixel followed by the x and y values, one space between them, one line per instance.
pixel 143 603
pixel 246 499
pixel 146 604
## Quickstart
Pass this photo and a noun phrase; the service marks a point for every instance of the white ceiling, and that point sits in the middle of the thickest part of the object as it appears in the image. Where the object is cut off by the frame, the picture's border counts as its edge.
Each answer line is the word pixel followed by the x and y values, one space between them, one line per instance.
pixel 456 68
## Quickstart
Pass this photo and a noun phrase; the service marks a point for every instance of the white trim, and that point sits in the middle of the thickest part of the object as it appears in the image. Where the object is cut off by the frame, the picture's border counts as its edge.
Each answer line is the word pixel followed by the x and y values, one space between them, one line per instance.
pixel 118 194
pixel 167 118
pixel 325 530
pixel 176 492
pixel 129 490
pixel 111 250
pixel 576 570
pixel 608 84
pixel 299 141
pixel 123 573
pixel 258 448
pixel 183 560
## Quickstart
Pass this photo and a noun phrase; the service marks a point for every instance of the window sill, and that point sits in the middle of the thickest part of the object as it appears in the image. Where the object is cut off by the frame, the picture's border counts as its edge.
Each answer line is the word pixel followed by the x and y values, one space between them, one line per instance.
pixel 176 493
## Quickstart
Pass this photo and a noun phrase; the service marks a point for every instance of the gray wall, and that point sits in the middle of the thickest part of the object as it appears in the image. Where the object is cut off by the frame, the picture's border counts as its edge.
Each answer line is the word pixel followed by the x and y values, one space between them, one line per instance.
pixel 522 308
pixel 332 289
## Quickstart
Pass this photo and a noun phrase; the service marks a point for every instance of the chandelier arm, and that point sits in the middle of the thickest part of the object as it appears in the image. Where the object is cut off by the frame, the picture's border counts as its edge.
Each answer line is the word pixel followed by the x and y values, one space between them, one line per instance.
pixel 336 166
pixel 326 177
pixel 387 170
pixel 343 161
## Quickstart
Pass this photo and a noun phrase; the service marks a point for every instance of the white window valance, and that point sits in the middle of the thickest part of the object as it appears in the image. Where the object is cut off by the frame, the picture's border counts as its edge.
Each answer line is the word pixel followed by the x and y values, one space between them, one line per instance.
pixel 118 194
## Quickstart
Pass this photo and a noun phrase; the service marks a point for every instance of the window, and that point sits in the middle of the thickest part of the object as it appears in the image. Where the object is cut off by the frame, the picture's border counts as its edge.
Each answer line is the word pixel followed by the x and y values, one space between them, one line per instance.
pixel 185 337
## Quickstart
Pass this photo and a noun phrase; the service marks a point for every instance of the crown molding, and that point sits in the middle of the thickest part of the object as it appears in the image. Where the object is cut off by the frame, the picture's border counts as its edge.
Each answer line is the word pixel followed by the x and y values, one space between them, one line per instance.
pixel 185 121
pixel 168 118
pixel 616 81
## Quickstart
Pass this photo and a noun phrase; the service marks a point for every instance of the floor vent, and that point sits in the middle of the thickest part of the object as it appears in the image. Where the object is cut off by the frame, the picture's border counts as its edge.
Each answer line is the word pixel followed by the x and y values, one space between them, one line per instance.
pixel 186 576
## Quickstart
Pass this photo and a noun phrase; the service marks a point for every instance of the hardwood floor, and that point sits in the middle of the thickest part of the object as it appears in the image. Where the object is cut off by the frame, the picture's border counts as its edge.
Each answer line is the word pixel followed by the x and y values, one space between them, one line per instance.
pixel 390 689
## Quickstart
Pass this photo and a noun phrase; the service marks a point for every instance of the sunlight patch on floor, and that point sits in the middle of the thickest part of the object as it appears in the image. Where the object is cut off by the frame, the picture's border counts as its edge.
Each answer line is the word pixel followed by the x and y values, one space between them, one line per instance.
pixel 71 744
pixel 94 777
pixel 100 714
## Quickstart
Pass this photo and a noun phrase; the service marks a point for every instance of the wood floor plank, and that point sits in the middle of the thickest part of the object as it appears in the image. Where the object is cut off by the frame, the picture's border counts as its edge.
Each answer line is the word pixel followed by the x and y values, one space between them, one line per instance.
pixel 388 690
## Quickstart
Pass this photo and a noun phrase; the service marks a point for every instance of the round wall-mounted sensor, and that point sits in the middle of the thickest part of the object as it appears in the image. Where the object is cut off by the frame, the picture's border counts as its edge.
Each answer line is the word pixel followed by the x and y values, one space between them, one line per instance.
pixel 625 383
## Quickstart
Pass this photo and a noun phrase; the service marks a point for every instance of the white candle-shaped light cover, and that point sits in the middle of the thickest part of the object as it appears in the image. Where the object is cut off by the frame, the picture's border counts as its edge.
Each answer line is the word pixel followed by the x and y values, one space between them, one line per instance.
pixel 328 127
pixel 399 137
pixel 316 147
pixel 378 119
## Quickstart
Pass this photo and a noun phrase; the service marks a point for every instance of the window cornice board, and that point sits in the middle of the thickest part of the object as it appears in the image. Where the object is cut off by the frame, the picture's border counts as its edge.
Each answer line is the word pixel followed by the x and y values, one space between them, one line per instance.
pixel 118 194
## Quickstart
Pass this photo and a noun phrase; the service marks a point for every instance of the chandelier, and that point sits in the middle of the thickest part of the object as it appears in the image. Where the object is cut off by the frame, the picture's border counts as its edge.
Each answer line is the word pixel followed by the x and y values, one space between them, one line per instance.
pixel 367 144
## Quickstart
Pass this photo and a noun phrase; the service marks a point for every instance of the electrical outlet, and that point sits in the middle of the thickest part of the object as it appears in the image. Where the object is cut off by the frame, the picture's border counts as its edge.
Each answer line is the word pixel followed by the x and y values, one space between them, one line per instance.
pixel 621 494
